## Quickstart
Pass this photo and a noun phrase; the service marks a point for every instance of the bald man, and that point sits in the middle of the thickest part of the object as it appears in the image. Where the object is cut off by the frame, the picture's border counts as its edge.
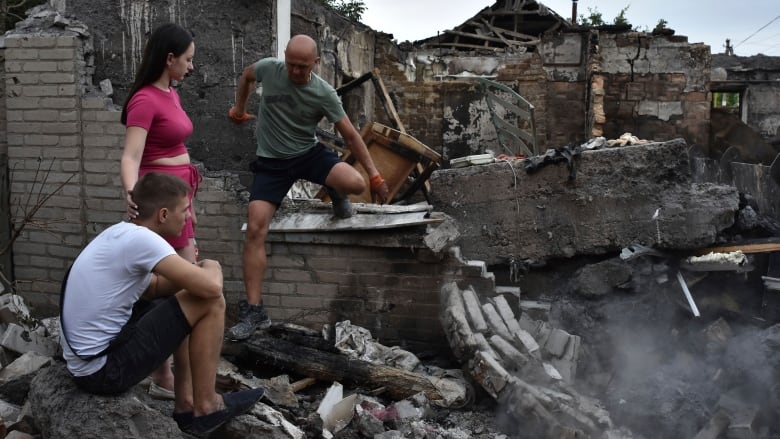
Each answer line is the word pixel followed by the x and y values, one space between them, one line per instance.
pixel 293 102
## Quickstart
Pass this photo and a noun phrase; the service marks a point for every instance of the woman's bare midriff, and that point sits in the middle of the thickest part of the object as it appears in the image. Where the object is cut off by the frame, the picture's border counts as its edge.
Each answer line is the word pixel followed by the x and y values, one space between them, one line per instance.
pixel 182 159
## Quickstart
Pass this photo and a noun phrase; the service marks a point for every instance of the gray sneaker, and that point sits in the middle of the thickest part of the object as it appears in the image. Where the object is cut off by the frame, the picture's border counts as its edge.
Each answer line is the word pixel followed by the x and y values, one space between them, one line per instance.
pixel 250 318
pixel 342 208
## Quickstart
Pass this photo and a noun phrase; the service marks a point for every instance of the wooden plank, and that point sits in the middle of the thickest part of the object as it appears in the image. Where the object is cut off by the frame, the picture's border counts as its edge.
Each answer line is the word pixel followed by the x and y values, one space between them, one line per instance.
pixel 406 140
pixel 325 221
pixel 354 83
pixel 510 33
pixel 745 248
pixel 478 37
pixel 327 366
pixel 380 86
pixel 466 46
pixel 394 167
pixel 495 31
pixel 414 145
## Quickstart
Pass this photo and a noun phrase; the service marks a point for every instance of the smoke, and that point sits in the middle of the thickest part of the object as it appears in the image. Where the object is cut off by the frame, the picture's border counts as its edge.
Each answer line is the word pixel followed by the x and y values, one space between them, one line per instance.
pixel 663 373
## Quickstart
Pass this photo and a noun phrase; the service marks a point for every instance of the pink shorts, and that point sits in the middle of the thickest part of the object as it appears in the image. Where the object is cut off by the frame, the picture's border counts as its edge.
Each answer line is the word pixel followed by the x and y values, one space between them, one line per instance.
pixel 191 176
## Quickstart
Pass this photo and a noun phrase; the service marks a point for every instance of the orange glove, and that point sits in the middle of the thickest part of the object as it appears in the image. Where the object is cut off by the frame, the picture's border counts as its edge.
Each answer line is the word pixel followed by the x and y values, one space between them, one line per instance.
pixel 379 189
pixel 238 120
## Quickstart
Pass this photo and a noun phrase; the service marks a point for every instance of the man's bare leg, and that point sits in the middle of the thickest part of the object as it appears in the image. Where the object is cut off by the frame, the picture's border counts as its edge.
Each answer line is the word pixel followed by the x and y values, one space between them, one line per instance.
pixel 259 215
pixel 252 314
pixel 345 179
pixel 163 375
pixel 199 357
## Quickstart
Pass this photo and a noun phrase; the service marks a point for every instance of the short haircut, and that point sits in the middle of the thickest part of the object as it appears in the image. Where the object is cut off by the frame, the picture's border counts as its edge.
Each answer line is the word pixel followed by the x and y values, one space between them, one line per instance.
pixel 156 190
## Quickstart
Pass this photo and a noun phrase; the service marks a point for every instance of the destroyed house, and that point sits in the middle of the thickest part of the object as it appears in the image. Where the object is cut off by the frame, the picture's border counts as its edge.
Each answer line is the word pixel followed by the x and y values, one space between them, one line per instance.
pixel 567 261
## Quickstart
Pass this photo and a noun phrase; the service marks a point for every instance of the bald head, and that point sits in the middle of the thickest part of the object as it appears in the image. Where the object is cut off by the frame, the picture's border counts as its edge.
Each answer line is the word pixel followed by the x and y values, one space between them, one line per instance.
pixel 300 57
pixel 301 46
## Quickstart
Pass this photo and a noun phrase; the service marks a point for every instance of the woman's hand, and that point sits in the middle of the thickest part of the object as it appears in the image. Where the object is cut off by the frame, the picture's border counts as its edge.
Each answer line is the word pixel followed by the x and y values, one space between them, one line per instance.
pixel 132 208
pixel 193 216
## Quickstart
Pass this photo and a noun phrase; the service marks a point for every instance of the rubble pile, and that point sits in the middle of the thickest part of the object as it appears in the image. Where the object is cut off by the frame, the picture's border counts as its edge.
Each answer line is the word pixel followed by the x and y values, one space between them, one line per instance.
pixel 39 399
pixel 526 364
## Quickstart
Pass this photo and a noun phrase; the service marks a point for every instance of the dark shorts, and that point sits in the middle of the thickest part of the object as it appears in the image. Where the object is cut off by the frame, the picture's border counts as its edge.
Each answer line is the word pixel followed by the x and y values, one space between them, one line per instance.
pixel 154 332
pixel 274 177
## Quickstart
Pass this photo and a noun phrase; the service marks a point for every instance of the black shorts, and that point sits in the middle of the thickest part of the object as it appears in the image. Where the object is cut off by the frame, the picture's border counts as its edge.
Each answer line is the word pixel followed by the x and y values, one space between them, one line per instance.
pixel 153 333
pixel 274 177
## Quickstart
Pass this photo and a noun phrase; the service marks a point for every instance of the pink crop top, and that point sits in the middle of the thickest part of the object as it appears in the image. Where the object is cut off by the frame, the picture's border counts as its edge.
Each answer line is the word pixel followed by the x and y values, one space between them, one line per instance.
pixel 166 124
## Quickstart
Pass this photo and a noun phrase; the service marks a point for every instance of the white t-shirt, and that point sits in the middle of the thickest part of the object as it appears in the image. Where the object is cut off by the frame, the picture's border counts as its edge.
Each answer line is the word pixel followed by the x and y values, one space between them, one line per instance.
pixel 107 278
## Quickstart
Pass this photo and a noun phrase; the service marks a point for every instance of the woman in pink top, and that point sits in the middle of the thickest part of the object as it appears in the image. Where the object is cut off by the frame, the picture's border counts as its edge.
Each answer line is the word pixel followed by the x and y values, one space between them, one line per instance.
pixel 157 127
pixel 156 124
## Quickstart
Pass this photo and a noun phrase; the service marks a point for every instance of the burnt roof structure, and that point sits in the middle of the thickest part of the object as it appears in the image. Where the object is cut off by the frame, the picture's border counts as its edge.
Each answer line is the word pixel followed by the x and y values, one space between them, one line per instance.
pixel 507 25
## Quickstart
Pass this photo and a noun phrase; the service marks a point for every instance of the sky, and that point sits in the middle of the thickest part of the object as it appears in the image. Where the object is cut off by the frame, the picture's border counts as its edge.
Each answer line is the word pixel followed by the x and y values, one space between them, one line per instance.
pixel 753 26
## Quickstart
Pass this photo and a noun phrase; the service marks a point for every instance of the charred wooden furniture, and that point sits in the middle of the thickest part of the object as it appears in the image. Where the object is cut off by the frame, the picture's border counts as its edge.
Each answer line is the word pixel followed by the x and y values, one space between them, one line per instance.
pixel 403 161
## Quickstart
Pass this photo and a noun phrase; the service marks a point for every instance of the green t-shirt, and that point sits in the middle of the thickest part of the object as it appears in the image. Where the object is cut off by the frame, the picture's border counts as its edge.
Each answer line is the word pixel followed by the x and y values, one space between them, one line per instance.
pixel 288 115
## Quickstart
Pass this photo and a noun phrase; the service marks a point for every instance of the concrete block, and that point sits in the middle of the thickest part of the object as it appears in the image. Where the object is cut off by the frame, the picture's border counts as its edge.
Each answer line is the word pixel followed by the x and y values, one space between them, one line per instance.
pixel 506 313
pixel 568 362
pixel 556 342
pixel 13 309
pixel 9 412
pixel 483 345
pixel 495 322
pixel 29 362
pixel 509 354
pixel 474 310
pixel 489 372
pixel 17 339
pixel 525 338
pixel 16 434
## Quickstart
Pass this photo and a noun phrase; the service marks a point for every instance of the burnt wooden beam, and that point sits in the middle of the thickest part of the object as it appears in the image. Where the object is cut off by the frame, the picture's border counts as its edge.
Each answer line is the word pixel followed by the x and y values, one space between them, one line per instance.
pixel 475 36
pixel 328 366
pixel 487 39
pixel 467 46
pixel 498 29
pixel 506 12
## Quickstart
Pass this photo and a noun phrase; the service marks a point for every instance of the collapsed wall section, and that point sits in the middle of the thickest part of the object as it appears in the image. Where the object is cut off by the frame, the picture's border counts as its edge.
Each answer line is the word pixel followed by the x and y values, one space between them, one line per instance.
pixel 606 201
pixel 582 83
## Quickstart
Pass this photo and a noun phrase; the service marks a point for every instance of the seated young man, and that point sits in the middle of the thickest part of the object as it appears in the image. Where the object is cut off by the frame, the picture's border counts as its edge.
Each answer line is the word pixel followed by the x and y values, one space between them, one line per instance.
pixel 107 351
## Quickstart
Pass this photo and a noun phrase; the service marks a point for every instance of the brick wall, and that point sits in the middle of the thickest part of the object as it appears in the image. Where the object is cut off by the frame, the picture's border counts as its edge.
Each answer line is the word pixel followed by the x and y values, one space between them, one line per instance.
pixel 62 132
pixel 44 150
pixel 656 88
pixel 6 263
pixel 392 291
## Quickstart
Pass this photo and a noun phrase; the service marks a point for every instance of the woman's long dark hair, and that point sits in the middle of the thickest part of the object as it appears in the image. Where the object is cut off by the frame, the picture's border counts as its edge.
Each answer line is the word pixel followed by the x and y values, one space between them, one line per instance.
pixel 168 38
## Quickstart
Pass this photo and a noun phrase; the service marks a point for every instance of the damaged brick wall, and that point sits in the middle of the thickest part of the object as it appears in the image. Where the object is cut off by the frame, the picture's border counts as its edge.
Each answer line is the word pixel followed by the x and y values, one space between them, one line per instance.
pixel 582 85
pixel 6 263
pixel 755 79
pixel 392 291
pixel 44 132
pixel 655 87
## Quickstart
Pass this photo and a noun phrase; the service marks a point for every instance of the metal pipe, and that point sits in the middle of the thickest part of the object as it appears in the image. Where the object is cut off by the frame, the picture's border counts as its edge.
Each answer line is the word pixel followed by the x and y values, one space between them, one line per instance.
pixel 574 12
pixel 688 296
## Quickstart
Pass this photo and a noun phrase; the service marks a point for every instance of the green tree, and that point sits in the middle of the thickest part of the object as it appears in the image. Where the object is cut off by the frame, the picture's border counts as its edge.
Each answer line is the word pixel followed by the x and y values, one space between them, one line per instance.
pixel 352 9
pixel 593 19
pixel 621 17
pixel 661 25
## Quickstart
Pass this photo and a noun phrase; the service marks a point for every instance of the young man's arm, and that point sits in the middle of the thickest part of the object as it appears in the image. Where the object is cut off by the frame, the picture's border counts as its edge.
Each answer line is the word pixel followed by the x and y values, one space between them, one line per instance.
pixel 174 273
